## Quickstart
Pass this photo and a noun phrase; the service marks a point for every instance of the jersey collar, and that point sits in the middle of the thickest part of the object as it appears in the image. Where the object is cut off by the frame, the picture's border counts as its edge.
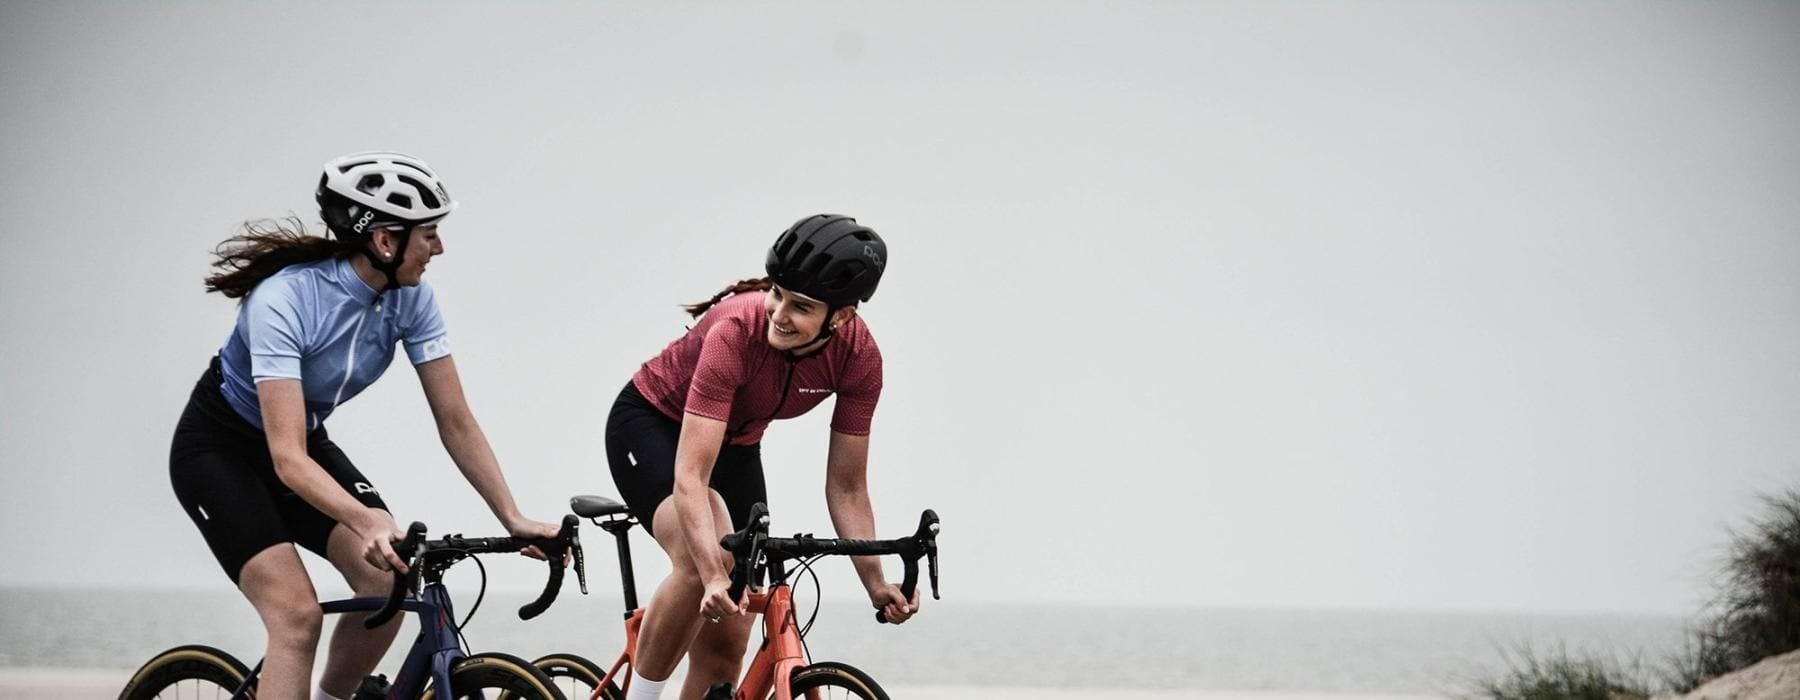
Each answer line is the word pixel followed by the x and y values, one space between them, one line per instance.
pixel 352 283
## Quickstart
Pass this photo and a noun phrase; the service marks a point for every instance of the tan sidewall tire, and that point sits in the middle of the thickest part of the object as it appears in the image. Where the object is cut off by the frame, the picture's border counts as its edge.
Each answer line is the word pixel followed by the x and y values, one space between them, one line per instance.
pixel 152 672
pixel 473 671
pixel 832 673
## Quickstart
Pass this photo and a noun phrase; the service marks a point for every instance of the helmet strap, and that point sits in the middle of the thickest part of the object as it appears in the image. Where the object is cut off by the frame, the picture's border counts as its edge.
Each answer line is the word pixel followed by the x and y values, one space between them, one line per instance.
pixel 823 338
pixel 391 268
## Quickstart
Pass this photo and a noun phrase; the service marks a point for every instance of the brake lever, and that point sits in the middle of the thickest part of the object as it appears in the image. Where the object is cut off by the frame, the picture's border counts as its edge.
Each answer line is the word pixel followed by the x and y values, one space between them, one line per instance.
pixel 412 549
pixel 931 553
pixel 931 559
pixel 580 562
pixel 742 570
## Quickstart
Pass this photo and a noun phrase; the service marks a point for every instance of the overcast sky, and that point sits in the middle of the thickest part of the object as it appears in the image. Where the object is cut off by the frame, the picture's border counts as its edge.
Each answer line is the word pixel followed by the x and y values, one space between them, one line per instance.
pixel 1487 306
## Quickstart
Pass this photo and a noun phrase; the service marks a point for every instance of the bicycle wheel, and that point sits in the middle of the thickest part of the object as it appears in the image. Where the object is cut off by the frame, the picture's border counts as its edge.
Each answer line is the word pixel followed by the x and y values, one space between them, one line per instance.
pixel 497 672
pixel 190 671
pixel 830 680
pixel 576 677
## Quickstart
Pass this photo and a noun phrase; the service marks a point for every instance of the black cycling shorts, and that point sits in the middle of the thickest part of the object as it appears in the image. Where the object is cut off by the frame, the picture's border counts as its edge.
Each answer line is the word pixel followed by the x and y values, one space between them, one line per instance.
pixel 220 467
pixel 640 448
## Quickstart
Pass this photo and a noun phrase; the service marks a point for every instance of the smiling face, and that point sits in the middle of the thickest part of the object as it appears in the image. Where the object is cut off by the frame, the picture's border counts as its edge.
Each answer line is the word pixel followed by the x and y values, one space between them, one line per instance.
pixel 795 319
pixel 421 247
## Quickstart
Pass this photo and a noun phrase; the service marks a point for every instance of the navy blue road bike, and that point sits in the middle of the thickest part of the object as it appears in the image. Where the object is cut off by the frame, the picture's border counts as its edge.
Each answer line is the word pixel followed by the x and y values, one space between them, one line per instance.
pixel 438 658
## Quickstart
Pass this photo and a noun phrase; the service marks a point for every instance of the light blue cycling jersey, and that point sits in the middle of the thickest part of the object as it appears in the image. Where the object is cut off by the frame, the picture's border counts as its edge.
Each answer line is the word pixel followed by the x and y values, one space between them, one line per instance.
pixel 319 323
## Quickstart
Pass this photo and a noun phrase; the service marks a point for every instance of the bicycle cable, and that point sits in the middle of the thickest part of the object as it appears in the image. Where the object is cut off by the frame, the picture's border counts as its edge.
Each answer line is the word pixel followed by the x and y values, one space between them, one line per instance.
pixel 480 594
pixel 818 595
pixel 806 565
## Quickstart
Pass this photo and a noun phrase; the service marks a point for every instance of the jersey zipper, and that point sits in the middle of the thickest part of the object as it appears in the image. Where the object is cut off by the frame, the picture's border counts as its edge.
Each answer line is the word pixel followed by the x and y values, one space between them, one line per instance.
pixel 350 364
pixel 787 382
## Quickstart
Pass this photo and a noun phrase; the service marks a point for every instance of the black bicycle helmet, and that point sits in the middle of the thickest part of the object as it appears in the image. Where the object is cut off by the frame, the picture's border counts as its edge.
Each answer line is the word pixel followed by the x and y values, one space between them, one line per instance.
pixel 828 257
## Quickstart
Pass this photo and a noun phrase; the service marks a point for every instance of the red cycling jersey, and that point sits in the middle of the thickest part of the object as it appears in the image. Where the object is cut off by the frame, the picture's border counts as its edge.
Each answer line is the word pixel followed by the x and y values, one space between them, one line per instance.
pixel 724 369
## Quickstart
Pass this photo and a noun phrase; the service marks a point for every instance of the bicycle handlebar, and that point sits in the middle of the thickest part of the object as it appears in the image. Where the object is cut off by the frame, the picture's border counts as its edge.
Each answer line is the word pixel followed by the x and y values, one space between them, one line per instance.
pixel 553 550
pixel 923 542
pixel 421 553
pixel 406 548
pixel 752 544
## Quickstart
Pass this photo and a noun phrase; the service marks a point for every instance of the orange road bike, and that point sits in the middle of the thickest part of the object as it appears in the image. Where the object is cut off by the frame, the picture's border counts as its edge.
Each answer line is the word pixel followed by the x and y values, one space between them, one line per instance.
pixel 781 668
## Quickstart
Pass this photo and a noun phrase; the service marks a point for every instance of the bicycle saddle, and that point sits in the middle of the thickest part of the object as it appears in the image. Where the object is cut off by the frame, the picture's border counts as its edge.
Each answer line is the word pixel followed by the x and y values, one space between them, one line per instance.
pixel 596 506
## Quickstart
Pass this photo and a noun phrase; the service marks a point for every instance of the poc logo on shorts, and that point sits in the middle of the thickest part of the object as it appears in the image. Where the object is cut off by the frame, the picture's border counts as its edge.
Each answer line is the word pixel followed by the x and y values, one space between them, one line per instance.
pixel 363 487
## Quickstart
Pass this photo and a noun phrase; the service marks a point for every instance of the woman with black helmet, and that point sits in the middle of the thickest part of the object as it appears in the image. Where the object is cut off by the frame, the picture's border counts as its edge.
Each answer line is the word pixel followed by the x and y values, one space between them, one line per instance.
pixel 251 463
pixel 683 437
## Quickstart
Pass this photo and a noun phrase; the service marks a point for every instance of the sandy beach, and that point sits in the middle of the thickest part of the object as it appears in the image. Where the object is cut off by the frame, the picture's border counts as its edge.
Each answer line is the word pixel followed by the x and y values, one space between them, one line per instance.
pixel 88 684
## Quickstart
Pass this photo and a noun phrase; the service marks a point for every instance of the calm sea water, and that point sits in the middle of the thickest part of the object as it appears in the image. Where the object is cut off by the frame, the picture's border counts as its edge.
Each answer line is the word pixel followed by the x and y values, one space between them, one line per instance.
pixel 952 643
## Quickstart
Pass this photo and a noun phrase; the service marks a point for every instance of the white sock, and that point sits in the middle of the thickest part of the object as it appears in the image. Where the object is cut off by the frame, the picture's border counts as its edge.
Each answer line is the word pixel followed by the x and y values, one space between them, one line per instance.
pixel 320 694
pixel 642 689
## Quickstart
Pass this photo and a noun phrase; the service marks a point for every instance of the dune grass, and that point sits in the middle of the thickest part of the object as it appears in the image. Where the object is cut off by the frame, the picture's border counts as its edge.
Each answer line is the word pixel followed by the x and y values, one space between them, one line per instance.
pixel 1561 675
pixel 1755 614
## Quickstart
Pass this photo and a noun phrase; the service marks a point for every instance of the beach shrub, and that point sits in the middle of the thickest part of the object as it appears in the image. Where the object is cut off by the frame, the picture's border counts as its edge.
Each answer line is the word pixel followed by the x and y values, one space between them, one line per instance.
pixel 1561 675
pixel 1756 613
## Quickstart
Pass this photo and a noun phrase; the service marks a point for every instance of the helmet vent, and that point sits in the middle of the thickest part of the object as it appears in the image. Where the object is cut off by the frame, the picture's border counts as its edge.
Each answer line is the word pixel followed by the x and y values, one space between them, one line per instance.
pixel 425 194
pixel 347 167
pixel 410 166
pixel 814 265
pixel 845 274
pixel 800 253
pixel 397 199
pixel 369 183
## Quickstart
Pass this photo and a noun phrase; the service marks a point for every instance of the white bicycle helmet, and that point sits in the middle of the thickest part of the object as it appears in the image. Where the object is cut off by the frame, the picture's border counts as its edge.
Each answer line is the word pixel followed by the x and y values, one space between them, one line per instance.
pixel 361 190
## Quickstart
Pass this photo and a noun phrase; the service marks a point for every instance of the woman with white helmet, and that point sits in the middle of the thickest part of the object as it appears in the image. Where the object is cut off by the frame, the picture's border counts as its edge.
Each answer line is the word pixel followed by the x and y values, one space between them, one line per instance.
pixel 317 322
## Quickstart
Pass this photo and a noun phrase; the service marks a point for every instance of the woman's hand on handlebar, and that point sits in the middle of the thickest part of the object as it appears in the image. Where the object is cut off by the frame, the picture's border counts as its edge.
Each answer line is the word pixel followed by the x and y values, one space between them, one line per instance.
pixel 716 602
pixel 888 599
pixel 526 528
pixel 378 535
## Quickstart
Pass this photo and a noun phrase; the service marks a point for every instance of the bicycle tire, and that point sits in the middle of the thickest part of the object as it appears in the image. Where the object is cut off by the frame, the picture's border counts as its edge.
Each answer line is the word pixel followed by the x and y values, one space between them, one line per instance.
pixel 831 674
pixel 494 671
pixel 192 662
pixel 582 677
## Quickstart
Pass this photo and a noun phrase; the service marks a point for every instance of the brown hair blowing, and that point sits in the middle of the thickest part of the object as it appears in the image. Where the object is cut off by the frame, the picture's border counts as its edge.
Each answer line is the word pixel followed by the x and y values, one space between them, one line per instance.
pixel 750 285
pixel 263 248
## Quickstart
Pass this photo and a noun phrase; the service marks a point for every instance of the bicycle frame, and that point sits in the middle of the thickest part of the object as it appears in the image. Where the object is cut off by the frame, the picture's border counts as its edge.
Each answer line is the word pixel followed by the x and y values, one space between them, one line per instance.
pixel 781 653
pixel 433 652
pixel 627 659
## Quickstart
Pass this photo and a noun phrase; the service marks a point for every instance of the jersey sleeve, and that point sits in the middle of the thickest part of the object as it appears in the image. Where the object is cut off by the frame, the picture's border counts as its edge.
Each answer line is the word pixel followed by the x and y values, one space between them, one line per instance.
pixel 719 372
pixel 861 390
pixel 425 336
pixel 274 330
